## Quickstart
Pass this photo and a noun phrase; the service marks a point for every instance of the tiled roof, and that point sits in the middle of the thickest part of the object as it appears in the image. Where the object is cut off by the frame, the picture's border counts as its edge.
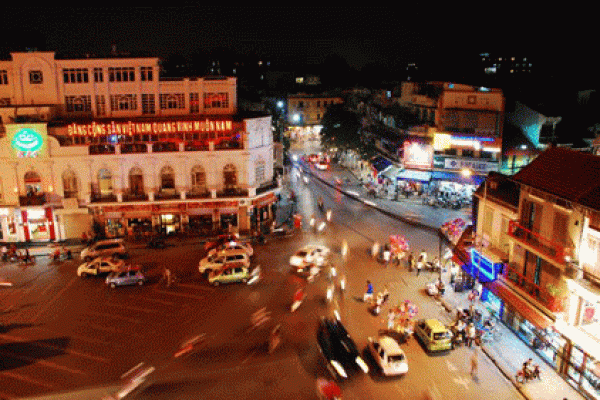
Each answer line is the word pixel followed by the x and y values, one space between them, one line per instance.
pixel 565 173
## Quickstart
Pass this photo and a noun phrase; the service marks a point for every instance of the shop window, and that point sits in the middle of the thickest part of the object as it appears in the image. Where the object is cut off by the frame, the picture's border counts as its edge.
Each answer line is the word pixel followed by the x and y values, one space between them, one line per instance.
pixel 167 178
pixel 229 176
pixel 70 188
pixel 198 179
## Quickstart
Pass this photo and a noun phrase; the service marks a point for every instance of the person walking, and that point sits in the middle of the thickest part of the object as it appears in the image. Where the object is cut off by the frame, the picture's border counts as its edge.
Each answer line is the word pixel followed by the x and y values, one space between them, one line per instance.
pixel 391 319
pixel 386 256
pixel 474 362
pixel 368 292
pixel 410 263
pixel 375 250
pixel 471 334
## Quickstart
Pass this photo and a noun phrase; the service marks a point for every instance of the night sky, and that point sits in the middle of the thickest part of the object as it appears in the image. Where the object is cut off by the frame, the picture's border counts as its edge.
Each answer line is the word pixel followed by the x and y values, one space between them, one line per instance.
pixel 375 35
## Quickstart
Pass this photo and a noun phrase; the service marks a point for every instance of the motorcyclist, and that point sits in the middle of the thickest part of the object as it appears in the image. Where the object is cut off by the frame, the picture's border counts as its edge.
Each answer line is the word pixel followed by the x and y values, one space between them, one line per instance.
pixel 328 390
pixel 274 338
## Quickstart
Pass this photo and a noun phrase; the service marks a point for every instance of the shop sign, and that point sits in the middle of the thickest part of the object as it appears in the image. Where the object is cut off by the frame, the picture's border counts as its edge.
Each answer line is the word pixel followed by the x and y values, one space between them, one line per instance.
pixel 483 268
pixel 148 128
pixel 471 164
pixel 27 143
pixel 418 155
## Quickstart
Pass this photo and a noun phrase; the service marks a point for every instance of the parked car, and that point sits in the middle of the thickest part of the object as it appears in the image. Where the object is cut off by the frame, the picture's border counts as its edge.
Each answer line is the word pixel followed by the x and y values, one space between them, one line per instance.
pixel 388 355
pixel 129 276
pixel 338 348
pixel 231 273
pixel 233 246
pixel 100 265
pixel 434 335
pixel 110 247
pixel 308 255
pixel 219 260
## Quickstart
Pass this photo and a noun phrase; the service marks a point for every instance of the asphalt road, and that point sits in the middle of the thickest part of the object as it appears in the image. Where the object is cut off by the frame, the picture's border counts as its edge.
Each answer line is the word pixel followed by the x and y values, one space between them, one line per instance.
pixel 60 332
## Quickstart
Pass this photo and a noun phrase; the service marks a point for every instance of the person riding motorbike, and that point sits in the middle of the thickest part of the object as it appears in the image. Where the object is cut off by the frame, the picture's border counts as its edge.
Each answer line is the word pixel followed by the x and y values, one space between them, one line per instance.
pixel 298 298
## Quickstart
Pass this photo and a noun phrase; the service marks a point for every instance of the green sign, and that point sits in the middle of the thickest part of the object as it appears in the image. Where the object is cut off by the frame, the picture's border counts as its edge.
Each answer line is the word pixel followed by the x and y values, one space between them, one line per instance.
pixel 27 142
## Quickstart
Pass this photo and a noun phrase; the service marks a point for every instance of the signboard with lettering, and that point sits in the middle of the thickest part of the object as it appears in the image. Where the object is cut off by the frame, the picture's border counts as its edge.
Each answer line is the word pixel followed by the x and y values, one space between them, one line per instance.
pixel 148 128
pixel 27 140
pixel 418 155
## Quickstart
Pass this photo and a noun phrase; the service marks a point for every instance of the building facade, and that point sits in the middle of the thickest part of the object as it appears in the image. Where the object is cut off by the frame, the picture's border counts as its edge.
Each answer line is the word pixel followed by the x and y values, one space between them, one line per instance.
pixel 106 140
pixel 536 250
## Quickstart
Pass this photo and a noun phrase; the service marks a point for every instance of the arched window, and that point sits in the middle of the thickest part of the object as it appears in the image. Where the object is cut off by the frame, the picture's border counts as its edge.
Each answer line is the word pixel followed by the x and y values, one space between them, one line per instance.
pixel 259 171
pixel 198 179
pixel 105 186
pixel 136 181
pixel 167 178
pixel 229 176
pixel 70 188
pixel 33 183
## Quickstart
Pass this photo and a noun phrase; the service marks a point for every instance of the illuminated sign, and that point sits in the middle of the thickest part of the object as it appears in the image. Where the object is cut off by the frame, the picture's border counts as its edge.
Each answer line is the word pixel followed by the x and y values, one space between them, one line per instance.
pixel 417 155
pixel 27 142
pixel 442 141
pixel 482 268
pixel 148 128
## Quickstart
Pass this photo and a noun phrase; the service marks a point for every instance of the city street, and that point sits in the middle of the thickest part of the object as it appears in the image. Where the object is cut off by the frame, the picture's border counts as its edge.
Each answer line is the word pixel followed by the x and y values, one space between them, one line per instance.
pixel 63 333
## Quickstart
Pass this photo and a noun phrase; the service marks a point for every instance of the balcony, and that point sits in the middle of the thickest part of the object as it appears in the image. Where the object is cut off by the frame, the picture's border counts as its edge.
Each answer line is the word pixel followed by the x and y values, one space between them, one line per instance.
pixel 166 194
pixel 33 199
pixel 539 294
pixel 558 252
pixel 233 192
pixel 103 198
pixel 266 187
pixel 130 197
pixel 198 194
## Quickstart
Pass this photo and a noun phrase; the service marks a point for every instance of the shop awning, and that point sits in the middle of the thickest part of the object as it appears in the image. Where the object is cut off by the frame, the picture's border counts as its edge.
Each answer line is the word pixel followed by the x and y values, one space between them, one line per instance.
pixel 457 177
pixel 523 307
pixel 380 163
pixel 415 175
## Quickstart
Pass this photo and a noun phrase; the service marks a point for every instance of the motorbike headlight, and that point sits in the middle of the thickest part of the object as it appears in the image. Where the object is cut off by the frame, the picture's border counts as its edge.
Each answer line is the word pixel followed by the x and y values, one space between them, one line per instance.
pixel 339 369
pixel 362 364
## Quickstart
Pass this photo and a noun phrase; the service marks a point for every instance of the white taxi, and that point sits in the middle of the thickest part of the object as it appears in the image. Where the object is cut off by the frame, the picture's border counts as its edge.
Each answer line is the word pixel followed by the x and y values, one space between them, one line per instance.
pixel 388 355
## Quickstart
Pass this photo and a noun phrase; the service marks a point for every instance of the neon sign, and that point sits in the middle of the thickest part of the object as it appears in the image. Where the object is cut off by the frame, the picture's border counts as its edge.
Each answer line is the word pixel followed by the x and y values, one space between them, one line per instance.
pixel 132 128
pixel 27 143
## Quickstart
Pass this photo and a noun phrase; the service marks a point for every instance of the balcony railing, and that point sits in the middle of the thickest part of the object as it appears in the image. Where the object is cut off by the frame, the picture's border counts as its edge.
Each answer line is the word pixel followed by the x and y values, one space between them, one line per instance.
pixel 106 198
pixel 265 188
pixel 550 248
pixel 37 199
pixel 538 293
pixel 135 197
pixel 233 192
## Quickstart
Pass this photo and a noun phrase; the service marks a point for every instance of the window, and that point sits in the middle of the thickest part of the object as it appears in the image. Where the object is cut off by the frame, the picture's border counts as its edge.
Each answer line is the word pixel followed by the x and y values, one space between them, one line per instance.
pixel 136 181
pixel 125 74
pixel 194 103
pixel 146 74
pixel 69 184
pixel 229 176
pixel 36 77
pixel 216 100
pixel 3 77
pixel 148 106
pixel 78 103
pixel 259 171
pixel 100 106
pixel 172 101
pixel 121 102
pixel 75 75
pixel 105 187
pixel 198 179
pixel 167 178
pixel 98 75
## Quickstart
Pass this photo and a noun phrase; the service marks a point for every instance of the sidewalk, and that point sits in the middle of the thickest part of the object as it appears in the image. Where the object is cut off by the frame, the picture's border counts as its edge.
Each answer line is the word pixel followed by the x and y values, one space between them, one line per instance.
pixel 509 352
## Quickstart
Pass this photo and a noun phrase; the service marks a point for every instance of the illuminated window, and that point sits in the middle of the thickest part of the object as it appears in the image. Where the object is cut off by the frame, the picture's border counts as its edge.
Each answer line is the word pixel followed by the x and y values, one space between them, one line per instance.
pixel 259 171
pixel 148 104
pixel 69 184
pixel 194 103
pixel 198 179
pixel 122 102
pixel 216 100
pixel 167 178
pixel 172 101
pixel 229 176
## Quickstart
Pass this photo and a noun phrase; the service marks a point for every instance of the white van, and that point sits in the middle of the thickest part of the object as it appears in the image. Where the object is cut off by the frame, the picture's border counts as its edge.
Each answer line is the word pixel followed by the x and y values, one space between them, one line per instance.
pixel 104 248
pixel 218 260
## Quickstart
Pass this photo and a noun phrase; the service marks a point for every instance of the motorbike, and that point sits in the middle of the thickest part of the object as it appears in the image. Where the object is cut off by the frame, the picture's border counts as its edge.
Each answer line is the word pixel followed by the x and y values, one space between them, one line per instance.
pixel 528 374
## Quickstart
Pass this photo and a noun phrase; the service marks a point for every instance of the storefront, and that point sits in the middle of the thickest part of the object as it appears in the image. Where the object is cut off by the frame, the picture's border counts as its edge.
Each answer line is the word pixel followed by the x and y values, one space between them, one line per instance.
pixel 9 225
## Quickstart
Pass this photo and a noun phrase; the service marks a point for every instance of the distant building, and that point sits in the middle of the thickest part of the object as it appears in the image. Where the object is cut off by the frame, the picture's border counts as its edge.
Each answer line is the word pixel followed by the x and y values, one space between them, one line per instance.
pixel 504 65
pixel 309 109
pixel 106 139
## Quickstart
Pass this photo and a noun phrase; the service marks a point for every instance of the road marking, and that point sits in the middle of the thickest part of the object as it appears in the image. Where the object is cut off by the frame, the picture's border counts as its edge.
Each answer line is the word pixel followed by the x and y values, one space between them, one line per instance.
pixel 163 302
pixel 144 310
pixel 27 379
pixel 48 304
pixel 451 366
pixel 98 314
pixel 191 296
pixel 462 381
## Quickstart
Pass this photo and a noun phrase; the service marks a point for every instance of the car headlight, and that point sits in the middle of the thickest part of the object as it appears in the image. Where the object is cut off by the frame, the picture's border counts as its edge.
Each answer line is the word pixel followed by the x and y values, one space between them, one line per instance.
pixel 362 364
pixel 339 369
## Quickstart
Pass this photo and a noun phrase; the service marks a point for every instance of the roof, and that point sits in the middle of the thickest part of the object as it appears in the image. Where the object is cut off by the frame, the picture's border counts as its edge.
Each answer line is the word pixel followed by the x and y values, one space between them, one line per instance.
pixel 565 173
pixel 390 345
